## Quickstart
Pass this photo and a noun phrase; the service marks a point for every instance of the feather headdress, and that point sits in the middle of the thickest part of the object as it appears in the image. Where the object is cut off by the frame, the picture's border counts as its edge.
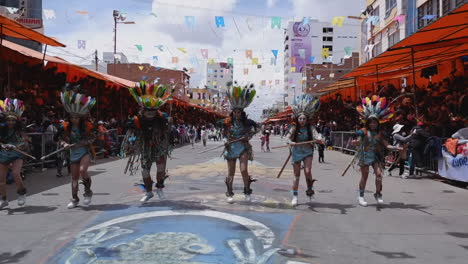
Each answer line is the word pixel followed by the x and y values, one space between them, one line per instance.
pixel 307 105
pixel 76 103
pixel 12 107
pixel 375 107
pixel 240 97
pixel 150 96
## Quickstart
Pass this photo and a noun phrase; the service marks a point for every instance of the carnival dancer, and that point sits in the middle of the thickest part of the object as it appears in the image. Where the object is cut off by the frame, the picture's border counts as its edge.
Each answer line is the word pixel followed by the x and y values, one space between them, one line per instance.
pixel 151 129
pixel 76 135
pixel 373 146
pixel 303 131
pixel 11 138
pixel 238 129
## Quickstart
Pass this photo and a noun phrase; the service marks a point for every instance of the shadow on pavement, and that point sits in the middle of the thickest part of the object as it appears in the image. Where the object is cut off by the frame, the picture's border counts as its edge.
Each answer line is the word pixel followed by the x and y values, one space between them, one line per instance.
pixel 457 234
pixel 177 205
pixel 31 209
pixel 7 257
pixel 343 208
pixel 394 205
pixel 105 207
pixel 394 255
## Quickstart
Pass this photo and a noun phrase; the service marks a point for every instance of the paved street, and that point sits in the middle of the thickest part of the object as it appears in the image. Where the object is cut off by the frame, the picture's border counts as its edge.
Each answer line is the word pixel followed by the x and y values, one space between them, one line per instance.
pixel 423 220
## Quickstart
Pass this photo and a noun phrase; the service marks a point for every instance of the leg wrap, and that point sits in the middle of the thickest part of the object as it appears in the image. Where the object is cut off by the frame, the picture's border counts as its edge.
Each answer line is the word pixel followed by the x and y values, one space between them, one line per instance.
pixel 229 181
pixel 310 187
pixel 22 191
pixel 247 189
pixel 147 180
pixel 87 187
pixel 75 187
pixel 160 177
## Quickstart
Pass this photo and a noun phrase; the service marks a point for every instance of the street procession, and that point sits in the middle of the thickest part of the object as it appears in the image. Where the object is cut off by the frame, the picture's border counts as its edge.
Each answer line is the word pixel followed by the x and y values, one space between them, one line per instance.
pixel 233 131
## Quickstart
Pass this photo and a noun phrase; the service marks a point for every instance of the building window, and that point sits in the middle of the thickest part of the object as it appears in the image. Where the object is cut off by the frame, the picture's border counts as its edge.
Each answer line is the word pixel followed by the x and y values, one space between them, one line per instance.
pixel 377 50
pixel 460 2
pixel 375 13
pixel 216 70
pixel 221 76
pixel 221 71
pixel 328 30
pixel 329 47
pixel 327 38
pixel 215 86
pixel 394 38
pixel 216 76
pixel 431 7
pixel 446 6
pixel 389 5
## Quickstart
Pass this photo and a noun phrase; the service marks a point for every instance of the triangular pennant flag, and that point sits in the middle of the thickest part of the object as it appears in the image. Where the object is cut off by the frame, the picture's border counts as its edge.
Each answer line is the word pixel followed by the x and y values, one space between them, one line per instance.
pixel 230 61
pixel 293 60
pixel 219 21
pixel 160 47
pixel 347 51
pixel 182 50
pixel 338 21
pixel 312 58
pixel 49 14
pixel 246 71
pixel 273 61
pixel 293 69
pixel 175 60
pixel 275 53
pixel 255 61
pixel 301 53
pixel 276 22
pixel 190 21
pixel 141 67
pixel 325 53
pixel 305 21
pixel 399 18
pixel 139 47
pixel 248 54
pixel 211 61
pixel 204 53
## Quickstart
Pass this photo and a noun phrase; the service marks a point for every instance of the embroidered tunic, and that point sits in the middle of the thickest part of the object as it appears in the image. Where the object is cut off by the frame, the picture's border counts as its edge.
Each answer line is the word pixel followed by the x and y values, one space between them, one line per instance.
pixel 11 137
pixel 236 130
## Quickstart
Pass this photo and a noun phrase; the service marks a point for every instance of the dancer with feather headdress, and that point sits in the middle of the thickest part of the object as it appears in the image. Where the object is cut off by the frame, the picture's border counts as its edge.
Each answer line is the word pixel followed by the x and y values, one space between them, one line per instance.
pixel 371 153
pixel 11 138
pixel 303 131
pixel 77 135
pixel 151 130
pixel 238 130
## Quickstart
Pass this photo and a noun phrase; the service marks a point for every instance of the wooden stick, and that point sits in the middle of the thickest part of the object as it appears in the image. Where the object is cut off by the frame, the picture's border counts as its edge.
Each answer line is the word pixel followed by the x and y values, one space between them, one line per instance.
pixel 349 165
pixel 55 152
pixel 230 142
pixel 21 152
pixel 298 144
pixel 284 165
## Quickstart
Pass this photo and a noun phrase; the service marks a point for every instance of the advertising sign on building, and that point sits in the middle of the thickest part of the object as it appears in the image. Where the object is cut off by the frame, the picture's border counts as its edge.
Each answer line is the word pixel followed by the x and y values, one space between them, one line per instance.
pixel 301 45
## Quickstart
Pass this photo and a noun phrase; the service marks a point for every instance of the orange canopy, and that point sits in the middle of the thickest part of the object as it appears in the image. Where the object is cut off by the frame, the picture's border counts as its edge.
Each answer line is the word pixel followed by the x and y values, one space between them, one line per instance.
pixel 445 39
pixel 14 29
pixel 65 66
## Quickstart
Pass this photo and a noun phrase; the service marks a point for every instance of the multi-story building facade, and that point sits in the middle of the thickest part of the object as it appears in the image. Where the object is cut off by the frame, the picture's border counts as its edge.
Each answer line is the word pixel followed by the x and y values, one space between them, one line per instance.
pixel 108 57
pixel 218 75
pixel 316 77
pixel 210 98
pixel 29 14
pixel 136 72
pixel 389 21
pixel 315 43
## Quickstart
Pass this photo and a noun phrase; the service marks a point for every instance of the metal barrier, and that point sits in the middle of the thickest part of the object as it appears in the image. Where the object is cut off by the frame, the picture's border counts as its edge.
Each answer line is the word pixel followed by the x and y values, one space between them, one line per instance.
pixel 341 140
pixel 41 144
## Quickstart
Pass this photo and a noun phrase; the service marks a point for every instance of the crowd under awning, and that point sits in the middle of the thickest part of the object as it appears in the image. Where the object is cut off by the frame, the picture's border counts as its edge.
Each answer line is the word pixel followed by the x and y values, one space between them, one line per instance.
pixel 444 40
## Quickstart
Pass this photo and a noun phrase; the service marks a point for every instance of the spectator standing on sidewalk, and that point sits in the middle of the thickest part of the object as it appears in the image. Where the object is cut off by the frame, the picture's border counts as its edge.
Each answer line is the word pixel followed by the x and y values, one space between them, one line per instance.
pixel 204 135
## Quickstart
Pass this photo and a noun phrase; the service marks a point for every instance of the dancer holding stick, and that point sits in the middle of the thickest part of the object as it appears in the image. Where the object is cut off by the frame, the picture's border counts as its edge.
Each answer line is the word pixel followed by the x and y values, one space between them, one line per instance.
pixel 238 129
pixel 301 138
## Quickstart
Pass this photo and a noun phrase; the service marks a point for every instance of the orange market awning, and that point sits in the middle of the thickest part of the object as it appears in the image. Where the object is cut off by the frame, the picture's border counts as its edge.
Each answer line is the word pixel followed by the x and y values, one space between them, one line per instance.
pixel 14 29
pixel 65 66
pixel 445 39
pixel 341 84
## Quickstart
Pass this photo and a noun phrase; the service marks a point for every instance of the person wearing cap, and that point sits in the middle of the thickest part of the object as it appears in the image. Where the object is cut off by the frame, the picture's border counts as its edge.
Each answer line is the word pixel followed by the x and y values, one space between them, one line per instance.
pixel 11 138
pixel 400 140
pixel 77 135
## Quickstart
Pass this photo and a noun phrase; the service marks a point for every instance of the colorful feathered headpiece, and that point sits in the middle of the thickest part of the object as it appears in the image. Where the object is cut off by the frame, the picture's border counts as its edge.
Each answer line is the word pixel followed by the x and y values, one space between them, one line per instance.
pixel 375 107
pixel 76 103
pixel 307 105
pixel 240 97
pixel 150 96
pixel 12 107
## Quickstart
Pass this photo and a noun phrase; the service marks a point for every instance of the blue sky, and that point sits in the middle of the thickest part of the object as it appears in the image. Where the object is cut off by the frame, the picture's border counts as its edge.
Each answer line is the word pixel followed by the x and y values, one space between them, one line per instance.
pixel 247 27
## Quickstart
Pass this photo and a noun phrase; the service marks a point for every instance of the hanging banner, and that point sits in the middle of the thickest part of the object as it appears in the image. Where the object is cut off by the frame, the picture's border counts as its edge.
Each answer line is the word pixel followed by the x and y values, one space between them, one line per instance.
pixel 454 168
pixel 301 45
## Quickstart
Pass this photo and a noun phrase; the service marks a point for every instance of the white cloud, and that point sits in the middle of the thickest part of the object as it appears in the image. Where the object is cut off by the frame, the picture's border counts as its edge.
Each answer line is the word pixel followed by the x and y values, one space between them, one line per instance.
pixel 271 3
pixel 325 10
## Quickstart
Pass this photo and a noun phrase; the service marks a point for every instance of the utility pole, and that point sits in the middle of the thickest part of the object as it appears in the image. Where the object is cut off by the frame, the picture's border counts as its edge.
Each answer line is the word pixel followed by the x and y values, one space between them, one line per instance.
pixel 96 60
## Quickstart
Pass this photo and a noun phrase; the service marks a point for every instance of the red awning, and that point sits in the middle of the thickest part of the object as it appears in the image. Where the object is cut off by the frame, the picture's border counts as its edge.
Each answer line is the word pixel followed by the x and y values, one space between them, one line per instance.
pixel 14 29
